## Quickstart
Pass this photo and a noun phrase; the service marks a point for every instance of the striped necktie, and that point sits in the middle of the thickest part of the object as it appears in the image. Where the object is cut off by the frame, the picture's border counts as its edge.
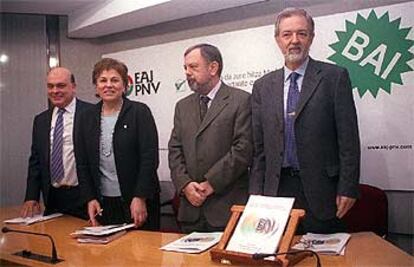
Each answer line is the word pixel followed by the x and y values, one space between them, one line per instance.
pixel 56 158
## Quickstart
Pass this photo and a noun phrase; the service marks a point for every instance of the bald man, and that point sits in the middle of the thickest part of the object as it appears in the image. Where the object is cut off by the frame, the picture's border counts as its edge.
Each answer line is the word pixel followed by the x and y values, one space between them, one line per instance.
pixel 52 165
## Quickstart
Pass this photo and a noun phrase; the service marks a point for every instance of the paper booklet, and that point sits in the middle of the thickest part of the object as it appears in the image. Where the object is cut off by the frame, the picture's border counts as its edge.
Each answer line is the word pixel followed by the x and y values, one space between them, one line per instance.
pixel 101 234
pixel 102 239
pixel 330 244
pixel 34 219
pixel 261 225
pixel 102 230
pixel 194 243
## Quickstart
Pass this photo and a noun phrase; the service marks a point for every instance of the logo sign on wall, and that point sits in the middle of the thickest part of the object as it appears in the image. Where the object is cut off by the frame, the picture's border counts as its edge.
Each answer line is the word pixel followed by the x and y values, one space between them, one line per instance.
pixel 375 51
pixel 143 83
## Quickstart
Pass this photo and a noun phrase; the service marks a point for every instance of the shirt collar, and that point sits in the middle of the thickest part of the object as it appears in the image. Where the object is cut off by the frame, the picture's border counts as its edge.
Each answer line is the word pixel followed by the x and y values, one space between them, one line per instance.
pixel 301 70
pixel 69 108
pixel 214 91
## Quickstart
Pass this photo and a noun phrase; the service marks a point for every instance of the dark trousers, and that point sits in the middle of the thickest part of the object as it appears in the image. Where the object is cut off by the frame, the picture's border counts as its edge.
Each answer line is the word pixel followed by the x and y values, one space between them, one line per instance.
pixel 290 185
pixel 117 211
pixel 201 225
pixel 66 200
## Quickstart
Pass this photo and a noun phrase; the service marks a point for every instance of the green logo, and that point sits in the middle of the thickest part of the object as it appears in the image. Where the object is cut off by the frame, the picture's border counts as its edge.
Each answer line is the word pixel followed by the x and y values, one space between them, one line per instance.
pixel 375 51
pixel 178 84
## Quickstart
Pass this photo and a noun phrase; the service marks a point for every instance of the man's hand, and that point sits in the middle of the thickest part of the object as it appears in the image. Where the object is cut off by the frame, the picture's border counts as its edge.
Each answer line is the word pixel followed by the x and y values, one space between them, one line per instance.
pixel 94 209
pixel 343 204
pixel 138 209
pixel 194 193
pixel 30 208
pixel 207 188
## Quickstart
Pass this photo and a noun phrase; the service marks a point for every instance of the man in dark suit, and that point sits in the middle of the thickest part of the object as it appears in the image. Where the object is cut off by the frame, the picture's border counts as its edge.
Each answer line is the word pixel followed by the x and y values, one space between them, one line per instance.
pixel 210 146
pixel 305 130
pixel 52 167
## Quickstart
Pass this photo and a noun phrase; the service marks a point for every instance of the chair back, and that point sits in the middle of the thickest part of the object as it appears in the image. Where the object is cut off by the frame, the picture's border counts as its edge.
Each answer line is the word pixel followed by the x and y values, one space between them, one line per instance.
pixel 370 212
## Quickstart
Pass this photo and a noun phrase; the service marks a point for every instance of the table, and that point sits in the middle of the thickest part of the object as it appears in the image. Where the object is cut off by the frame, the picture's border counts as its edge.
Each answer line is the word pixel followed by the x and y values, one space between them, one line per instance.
pixel 141 248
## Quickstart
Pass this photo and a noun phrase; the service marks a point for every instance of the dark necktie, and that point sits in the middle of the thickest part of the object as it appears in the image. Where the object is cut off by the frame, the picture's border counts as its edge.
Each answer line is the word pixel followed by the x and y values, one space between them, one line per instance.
pixel 56 160
pixel 203 106
pixel 290 157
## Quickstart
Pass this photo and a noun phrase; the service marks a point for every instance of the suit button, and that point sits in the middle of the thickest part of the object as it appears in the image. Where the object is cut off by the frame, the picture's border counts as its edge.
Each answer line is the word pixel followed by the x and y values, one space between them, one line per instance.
pixel 281 154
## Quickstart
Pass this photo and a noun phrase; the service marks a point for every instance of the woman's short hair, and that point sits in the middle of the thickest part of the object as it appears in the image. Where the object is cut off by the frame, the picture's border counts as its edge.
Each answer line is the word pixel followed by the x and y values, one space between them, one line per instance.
pixel 110 64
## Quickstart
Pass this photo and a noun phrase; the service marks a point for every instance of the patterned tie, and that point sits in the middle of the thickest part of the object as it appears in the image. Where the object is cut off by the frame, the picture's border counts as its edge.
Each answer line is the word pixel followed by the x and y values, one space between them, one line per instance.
pixel 203 106
pixel 290 157
pixel 56 160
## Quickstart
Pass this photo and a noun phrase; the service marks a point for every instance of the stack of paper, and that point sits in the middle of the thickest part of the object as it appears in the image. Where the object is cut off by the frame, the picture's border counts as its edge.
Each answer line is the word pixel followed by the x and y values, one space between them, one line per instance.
pixel 330 244
pixel 34 219
pixel 101 234
pixel 194 242
pixel 261 225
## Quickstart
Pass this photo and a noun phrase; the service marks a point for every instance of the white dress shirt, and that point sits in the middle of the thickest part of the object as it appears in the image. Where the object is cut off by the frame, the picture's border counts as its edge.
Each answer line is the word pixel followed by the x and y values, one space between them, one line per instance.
pixel 69 163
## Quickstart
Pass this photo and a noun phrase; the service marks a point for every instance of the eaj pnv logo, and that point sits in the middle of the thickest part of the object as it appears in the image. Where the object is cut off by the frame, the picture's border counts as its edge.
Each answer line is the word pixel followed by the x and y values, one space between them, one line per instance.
pixel 143 83
pixel 375 51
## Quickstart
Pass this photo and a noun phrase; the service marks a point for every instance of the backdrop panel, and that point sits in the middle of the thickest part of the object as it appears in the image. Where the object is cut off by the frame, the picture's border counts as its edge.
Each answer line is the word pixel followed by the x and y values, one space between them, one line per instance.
pixel 375 45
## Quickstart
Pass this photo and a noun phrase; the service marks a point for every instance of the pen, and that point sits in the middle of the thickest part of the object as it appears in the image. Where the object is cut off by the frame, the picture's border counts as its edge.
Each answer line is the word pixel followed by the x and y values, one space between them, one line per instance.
pixel 96 214
pixel 99 213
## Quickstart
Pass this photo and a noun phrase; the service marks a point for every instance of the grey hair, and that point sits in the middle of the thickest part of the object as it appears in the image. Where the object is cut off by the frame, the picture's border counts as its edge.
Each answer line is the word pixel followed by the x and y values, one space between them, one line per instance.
pixel 293 11
pixel 210 53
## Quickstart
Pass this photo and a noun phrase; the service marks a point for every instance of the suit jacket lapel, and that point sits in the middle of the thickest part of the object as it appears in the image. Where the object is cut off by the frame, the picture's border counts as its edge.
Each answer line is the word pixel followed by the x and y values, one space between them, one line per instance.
pixel 95 130
pixel 47 134
pixel 76 121
pixel 124 109
pixel 310 82
pixel 275 97
pixel 217 105
pixel 194 111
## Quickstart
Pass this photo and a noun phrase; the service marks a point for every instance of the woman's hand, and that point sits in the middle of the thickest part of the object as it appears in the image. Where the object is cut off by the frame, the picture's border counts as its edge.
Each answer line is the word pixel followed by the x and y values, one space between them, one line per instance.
pixel 138 211
pixel 94 209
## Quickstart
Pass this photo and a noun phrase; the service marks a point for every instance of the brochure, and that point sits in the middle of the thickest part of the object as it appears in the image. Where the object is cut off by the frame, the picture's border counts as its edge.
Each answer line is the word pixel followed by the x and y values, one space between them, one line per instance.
pixel 34 219
pixel 194 243
pixel 329 244
pixel 103 239
pixel 102 230
pixel 261 225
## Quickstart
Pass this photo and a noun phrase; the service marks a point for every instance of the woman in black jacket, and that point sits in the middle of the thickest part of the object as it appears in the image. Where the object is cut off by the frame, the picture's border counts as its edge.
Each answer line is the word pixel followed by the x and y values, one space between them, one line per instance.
pixel 118 162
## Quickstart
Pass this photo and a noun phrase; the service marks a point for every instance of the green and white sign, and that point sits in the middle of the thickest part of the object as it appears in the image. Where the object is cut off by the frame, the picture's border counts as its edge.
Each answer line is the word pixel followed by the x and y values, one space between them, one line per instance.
pixel 375 51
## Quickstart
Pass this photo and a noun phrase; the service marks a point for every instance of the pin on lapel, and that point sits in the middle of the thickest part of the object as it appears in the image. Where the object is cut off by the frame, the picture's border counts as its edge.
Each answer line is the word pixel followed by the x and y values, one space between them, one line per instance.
pixel 125 126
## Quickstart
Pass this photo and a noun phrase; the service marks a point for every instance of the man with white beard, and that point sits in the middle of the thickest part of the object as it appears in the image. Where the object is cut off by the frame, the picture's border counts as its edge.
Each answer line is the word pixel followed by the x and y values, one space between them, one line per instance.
pixel 305 132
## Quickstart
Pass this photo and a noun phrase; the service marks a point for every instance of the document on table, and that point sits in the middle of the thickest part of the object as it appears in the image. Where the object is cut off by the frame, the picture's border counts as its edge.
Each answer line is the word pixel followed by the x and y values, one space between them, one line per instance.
pixel 102 230
pixel 261 225
pixel 34 219
pixel 194 243
pixel 101 239
pixel 329 244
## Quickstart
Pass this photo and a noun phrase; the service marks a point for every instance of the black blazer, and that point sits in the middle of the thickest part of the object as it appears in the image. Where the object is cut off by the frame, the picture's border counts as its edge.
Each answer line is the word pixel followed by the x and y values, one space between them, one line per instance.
pixel 38 178
pixel 326 132
pixel 135 146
